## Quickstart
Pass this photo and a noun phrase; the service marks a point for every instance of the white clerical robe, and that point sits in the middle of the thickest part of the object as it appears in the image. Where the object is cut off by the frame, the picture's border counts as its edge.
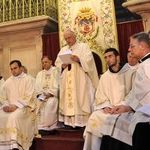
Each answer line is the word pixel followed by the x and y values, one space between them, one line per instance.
pixel 111 91
pixel 18 128
pixel 123 127
pixel 77 86
pixel 47 81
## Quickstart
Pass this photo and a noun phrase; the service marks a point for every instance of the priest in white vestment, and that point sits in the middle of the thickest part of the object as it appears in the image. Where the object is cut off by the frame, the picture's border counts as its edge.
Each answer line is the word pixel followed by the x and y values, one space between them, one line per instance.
pixel 113 86
pixel 129 115
pixel 122 122
pixel 78 82
pixel 17 112
pixel 47 84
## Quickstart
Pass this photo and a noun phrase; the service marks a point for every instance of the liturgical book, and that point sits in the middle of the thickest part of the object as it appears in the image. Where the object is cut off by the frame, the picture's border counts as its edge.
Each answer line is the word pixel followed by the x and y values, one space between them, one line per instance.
pixel 66 57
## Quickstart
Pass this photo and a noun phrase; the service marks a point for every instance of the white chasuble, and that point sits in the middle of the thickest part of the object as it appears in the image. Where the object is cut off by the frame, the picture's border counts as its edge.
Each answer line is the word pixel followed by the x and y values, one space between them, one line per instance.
pixel 77 86
pixel 18 128
pixel 47 82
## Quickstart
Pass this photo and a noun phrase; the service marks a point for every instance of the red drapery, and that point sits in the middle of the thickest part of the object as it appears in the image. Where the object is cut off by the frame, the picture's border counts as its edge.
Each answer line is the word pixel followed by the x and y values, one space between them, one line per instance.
pixel 51 45
pixel 125 30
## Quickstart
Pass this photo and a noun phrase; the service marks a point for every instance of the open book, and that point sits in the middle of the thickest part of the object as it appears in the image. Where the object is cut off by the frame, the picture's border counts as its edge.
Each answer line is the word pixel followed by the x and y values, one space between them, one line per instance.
pixel 66 57
pixel 145 109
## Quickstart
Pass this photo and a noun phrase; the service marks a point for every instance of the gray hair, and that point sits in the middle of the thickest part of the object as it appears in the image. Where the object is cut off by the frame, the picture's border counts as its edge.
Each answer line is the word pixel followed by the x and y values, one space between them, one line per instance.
pixel 142 37
pixel 69 31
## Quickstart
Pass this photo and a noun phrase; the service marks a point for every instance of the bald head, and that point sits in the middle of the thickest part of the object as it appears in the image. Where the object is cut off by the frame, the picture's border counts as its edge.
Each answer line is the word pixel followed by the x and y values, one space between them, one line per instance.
pixel 69 31
pixel 70 37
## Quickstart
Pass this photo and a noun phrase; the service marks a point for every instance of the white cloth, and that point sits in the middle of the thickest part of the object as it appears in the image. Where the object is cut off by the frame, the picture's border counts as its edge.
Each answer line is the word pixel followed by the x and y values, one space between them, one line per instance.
pixel 138 96
pixel 47 82
pixel 1 82
pixel 77 86
pixel 111 91
pixel 18 128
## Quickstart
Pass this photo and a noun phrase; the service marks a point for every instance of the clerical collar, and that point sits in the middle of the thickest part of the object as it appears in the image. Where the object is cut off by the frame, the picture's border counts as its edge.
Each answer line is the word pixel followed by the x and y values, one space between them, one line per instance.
pixel 144 58
pixel 19 76
pixel 49 70
pixel 120 67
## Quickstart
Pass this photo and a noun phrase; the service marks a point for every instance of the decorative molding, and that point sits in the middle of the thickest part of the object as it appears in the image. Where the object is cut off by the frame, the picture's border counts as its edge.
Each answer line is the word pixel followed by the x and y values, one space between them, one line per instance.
pixel 29 23
pixel 142 8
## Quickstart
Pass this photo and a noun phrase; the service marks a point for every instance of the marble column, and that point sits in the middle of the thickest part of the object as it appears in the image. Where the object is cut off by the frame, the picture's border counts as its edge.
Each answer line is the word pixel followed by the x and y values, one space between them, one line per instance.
pixel 142 8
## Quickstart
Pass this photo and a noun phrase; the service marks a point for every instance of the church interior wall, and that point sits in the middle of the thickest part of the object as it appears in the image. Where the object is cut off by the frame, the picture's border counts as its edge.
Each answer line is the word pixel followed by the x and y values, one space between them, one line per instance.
pixel 23 41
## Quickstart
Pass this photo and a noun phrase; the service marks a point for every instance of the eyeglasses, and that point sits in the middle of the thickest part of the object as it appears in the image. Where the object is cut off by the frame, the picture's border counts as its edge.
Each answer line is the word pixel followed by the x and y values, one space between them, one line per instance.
pixel 132 46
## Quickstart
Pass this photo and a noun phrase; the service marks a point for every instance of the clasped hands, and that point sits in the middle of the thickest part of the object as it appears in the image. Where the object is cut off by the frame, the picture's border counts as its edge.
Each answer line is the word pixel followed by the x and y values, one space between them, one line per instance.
pixel 10 108
pixel 117 109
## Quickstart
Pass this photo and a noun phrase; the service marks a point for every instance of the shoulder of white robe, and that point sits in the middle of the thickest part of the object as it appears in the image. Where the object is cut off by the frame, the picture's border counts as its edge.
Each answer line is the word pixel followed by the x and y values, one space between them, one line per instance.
pixel 147 70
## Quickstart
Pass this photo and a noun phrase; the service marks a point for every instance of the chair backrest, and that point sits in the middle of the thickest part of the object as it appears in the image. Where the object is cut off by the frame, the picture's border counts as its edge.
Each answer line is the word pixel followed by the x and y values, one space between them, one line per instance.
pixel 98 63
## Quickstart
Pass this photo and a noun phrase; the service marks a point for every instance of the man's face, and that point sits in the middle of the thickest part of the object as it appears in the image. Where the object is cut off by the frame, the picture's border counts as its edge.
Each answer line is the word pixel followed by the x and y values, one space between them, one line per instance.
pixel 15 69
pixel 135 48
pixel 110 59
pixel 131 60
pixel 70 39
pixel 46 63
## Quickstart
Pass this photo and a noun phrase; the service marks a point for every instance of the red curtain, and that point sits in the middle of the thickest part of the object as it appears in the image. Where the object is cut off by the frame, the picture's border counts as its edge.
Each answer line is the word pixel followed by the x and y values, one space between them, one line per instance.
pixel 125 30
pixel 51 45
